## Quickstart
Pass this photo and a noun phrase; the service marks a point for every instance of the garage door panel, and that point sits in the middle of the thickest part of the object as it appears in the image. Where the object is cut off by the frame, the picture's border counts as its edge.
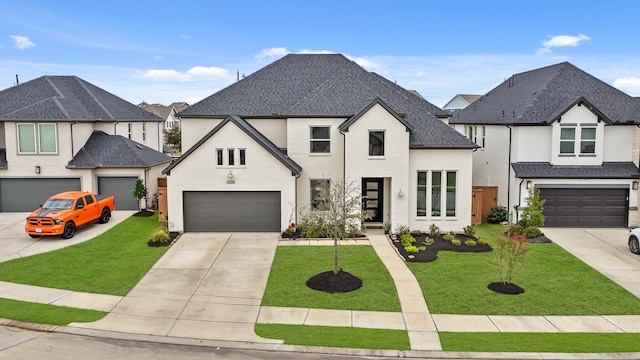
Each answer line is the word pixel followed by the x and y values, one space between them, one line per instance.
pixel 232 211
pixel 585 207
pixel 26 194
pixel 121 188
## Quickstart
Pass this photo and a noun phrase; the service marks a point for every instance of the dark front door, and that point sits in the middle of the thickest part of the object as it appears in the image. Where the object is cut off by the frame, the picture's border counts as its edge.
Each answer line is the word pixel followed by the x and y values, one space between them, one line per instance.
pixel 372 198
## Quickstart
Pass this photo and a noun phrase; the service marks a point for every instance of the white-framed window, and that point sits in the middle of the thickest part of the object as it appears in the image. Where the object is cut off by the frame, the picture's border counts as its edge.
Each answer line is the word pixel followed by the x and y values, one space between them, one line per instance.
pixel 587 140
pixel 581 140
pixel 219 157
pixel 567 140
pixel 40 138
pixel 436 193
pixel 317 186
pixel 376 142
pixel 320 139
pixel 475 133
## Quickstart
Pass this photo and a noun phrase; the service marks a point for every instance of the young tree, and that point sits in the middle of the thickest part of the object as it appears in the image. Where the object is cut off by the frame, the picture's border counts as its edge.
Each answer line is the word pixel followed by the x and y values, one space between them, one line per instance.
pixel 172 136
pixel 532 214
pixel 139 192
pixel 339 211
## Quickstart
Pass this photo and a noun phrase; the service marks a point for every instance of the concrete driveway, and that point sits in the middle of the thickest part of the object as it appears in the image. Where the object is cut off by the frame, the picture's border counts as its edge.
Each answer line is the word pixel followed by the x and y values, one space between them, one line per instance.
pixel 15 243
pixel 605 250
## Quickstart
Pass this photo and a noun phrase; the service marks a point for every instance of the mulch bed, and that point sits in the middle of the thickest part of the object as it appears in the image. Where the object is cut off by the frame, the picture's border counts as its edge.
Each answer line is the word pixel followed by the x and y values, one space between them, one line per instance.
pixel 341 282
pixel 298 235
pixel 144 213
pixel 439 244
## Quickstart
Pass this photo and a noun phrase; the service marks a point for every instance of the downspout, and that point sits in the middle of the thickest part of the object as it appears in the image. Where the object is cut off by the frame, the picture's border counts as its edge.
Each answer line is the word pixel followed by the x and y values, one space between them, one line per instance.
pixel 509 172
pixel 115 127
pixel 519 199
pixel 146 183
pixel 295 209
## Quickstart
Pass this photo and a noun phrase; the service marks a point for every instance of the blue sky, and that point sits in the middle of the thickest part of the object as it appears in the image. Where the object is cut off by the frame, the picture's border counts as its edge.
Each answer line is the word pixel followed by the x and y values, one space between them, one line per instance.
pixel 161 51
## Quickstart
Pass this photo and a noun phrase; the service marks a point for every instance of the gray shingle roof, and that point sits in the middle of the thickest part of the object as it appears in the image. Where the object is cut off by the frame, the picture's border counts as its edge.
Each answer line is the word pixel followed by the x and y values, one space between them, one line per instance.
pixel 66 98
pixel 540 96
pixel 610 170
pixel 327 85
pixel 253 133
pixel 115 151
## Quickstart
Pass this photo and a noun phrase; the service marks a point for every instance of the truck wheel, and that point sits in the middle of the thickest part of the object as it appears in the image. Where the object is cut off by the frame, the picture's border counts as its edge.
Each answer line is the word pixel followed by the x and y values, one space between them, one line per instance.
pixel 105 216
pixel 69 230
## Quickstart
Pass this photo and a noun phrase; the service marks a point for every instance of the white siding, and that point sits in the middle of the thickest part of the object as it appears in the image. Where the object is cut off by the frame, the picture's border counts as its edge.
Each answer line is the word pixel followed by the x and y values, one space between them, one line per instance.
pixel 192 130
pixel 460 161
pixel 618 144
pixel 274 129
pixel 532 143
pixel 578 115
pixel 199 172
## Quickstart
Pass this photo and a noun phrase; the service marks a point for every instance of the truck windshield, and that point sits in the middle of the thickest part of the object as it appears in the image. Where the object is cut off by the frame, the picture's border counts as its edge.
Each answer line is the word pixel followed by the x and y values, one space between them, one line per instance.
pixel 62 204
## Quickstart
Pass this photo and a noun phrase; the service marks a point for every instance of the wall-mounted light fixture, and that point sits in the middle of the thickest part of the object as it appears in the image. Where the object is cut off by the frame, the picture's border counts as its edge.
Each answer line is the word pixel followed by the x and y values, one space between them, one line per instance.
pixel 634 185
pixel 37 169
pixel 400 193
pixel 230 178
pixel 529 184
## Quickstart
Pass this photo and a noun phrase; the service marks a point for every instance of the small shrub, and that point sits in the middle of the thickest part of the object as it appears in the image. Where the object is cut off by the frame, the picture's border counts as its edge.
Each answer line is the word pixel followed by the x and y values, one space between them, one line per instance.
pixel 456 242
pixel 160 238
pixel 402 230
pixel 497 214
pixel 415 233
pixel 428 241
pixel 422 248
pixel 386 227
pixel 288 231
pixel 449 237
pixel 411 249
pixel 532 215
pixel 532 231
pixel 470 231
pixel 434 230
pixel 407 240
pixel 481 241
pixel 509 256
pixel 470 243
pixel 515 229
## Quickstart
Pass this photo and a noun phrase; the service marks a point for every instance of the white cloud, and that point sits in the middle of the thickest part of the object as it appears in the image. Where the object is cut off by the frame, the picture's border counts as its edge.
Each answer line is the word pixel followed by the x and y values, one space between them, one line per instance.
pixel 309 51
pixel 629 84
pixel 561 41
pixel 272 52
pixel 157 57
pixel 193 74
pixel 22 42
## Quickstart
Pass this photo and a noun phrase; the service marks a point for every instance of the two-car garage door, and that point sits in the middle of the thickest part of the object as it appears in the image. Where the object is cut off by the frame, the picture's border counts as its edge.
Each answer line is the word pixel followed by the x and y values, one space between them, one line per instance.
pixel 231 211
pixel 565 207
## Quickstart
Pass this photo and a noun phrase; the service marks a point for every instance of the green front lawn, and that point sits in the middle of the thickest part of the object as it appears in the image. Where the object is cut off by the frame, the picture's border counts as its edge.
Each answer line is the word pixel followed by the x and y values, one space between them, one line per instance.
pixel 294 265
pixel 111 263
pixel 555 283
pixel 46 314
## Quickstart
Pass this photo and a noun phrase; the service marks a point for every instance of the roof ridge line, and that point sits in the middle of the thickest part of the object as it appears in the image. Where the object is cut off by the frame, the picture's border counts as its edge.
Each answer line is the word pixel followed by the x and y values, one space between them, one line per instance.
pixel 94 97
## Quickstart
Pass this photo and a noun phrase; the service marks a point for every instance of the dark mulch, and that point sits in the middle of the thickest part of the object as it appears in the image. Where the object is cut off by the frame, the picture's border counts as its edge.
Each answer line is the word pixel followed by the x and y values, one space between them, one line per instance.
pixel 144 213
pixel 439 244
pixel 540 239
pixel 173 235
pixel 298 235
pixel 505 288
pixel 341 282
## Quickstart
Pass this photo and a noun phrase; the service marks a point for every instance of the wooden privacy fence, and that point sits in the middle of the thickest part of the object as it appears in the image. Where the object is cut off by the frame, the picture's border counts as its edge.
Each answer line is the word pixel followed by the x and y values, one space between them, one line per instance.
pixel 483 198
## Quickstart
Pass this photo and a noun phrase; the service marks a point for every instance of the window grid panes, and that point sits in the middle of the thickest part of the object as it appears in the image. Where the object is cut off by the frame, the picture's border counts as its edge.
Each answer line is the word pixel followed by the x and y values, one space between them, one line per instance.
pixel 422 194
pixel 320 140
pixel 567 140
pixel 451 194
pixel 376 143
pixel 588 140
pixel 436 193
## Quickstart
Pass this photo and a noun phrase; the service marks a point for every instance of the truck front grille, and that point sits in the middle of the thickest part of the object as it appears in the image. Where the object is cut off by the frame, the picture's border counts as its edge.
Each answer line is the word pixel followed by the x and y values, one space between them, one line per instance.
pixel 40 221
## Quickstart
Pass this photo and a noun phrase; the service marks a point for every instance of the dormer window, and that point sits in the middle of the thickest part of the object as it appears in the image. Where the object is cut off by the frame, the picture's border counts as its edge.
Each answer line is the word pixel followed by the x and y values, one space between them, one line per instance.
pixel 585 136
pixel 376 143
pixel 567 140
pixel 588 140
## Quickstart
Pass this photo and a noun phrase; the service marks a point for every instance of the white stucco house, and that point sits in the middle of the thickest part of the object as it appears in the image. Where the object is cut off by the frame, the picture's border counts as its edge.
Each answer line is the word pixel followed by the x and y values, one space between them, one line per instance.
pixel 459 102
pixel 565 132
pixel 61 133
pixel 257 151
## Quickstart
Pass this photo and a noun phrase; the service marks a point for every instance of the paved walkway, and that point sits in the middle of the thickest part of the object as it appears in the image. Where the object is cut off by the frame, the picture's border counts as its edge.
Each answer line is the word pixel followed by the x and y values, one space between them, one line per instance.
pixel 209 287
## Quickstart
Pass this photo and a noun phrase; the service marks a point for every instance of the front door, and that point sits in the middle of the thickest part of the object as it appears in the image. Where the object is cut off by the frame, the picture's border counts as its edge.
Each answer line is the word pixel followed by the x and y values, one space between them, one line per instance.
pixel 372 198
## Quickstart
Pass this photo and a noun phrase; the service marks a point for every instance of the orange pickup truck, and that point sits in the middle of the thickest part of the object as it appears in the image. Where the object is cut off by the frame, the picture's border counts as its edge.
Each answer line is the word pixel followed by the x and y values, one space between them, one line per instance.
pixel 63 213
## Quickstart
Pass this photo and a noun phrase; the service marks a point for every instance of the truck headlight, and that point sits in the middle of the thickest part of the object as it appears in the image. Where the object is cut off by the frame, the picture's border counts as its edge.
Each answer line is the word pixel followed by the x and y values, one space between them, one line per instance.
pixel 58 221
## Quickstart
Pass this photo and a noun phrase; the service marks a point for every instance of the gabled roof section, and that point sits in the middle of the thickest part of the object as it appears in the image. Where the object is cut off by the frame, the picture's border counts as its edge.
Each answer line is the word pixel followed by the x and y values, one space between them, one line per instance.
pixel 538 97
pixel 253 133
pixel 326 85
pixel 115 151
pixel 345 125
pixel 66 98
pixel 608 170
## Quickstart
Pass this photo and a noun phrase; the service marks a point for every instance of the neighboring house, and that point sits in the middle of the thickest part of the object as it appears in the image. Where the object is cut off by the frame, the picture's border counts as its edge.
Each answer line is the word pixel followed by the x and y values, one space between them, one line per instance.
pixel 62 133
pixel 168 113
pixel 272 139
pixel 459 102
pixel 565 132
